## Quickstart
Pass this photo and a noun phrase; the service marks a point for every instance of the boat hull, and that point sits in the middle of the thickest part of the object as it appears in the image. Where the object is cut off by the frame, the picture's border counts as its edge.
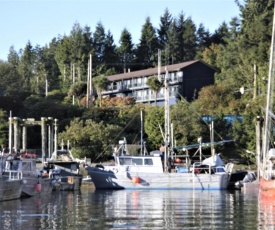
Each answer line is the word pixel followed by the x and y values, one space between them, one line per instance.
pixel 34 185
pixel 126 180
pixel 68 183
pixel 10 189
pixel 267 187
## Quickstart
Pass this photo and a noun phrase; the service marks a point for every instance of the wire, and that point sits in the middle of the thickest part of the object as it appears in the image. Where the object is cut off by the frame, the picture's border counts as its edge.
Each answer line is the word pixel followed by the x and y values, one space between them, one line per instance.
pixel 104 150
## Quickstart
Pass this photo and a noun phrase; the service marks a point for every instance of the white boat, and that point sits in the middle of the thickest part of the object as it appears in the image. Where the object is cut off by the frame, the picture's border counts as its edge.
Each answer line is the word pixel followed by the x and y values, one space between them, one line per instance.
pixel 35 182
pixel 153 171
pixel 147 172
pixel 64 169
pixel 10 183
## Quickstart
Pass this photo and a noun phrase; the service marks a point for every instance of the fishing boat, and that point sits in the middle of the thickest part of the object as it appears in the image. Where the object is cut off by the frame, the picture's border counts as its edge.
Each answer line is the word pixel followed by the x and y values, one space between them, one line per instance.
pixel 63 168
pixel 267 160
pixel 153 171
pixel 10 183
pixel 148 172
pixel 35 181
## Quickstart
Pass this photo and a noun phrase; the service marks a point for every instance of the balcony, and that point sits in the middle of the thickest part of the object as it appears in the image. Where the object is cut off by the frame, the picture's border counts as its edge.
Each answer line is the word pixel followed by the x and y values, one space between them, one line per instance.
pixel 138 86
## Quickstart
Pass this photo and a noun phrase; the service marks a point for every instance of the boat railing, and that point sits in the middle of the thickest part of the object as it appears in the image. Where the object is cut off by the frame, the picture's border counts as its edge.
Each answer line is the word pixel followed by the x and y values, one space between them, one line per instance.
pixel 15 175
pixel 199 169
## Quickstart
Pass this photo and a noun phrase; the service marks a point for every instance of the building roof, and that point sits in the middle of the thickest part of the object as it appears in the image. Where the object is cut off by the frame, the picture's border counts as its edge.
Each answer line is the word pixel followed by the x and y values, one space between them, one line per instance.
pixel 151 71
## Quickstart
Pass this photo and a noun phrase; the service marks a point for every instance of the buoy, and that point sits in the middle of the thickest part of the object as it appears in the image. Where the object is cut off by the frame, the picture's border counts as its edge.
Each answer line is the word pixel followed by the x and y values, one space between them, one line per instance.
pixel 178 160
pixel 196 170
pixel 38 187
pixel 70 180
pixel 135 180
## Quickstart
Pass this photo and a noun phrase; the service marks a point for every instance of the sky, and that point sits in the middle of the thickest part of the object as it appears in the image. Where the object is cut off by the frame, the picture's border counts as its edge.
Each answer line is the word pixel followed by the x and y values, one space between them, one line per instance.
pixel 39 21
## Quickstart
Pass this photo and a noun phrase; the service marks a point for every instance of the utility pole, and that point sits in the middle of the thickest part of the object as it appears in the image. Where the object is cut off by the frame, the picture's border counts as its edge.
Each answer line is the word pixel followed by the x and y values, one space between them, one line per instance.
pixel 73 80
pixel 141 133
pixel 91 81
pixel 46 87
pixel 88 88
pixel 159 63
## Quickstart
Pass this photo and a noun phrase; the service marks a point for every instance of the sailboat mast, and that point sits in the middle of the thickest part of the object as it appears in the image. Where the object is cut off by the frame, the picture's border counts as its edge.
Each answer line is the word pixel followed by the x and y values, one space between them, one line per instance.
pixel 10 131
pixel 167 119
pixel 141 133
pixel 269 100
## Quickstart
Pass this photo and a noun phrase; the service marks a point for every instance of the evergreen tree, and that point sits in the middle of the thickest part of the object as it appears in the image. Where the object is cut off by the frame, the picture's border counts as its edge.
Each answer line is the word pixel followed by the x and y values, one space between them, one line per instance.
pixel 13 57
pixel 72 54
pixel 165 22
pixel 154 119
pixel 234 27
pixel 46 68
pixel 3 129
pixel 189 40
pixel 80 49
pixel 203 40
pixel 110 57
pixel 221 34
pixel 63 56
pixel 180 21
pixel 25 69
pixel 99 38
pixel 126 50
pixel 10 81
pixel 147 49
pixel 172 45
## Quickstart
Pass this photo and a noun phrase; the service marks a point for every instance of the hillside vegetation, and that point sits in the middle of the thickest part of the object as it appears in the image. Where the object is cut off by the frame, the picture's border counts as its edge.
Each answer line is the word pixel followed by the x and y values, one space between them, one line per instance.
pixel 239 50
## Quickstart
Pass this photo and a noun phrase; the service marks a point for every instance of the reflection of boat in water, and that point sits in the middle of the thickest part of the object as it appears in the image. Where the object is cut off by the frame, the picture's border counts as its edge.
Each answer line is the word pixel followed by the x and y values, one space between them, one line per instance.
pixel 266 209
pixel 176 209
pixel 147 172
pixel 64 169
pixel 34 181
pixel 10 183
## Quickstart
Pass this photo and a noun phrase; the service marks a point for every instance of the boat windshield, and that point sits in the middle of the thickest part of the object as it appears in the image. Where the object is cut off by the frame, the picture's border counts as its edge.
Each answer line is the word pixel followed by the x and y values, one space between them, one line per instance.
pixel 218 169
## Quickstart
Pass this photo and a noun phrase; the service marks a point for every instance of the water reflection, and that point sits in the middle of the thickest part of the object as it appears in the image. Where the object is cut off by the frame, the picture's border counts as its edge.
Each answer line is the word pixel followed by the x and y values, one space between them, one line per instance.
pixel 177 210
pixel 128 209
pixel 266 211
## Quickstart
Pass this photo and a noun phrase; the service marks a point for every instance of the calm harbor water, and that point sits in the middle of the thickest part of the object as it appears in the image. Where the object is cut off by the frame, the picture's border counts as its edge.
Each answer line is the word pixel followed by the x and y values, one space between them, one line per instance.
pixel 128 209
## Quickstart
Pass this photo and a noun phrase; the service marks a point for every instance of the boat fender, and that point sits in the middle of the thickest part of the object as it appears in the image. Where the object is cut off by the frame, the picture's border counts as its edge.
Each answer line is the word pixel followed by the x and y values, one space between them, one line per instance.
pixel 38 187
pixel 23 181
pixel 196 171
pixel 70 180
pixel 135 180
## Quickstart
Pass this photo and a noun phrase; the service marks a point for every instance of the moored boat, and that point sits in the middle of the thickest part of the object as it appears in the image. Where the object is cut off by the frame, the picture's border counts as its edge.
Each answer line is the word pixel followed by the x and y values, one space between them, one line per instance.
pixel 148 172
pixel 10 183
pixel 63 168
pixel 34 182
pixel 267 180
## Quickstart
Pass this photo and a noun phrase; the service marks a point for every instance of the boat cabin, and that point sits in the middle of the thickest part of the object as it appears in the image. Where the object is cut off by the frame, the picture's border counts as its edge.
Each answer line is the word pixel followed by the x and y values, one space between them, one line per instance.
pixel 146 163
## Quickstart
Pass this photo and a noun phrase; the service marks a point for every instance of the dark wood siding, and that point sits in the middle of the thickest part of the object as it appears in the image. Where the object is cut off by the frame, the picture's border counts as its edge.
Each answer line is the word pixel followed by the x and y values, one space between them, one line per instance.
pixel 195 77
